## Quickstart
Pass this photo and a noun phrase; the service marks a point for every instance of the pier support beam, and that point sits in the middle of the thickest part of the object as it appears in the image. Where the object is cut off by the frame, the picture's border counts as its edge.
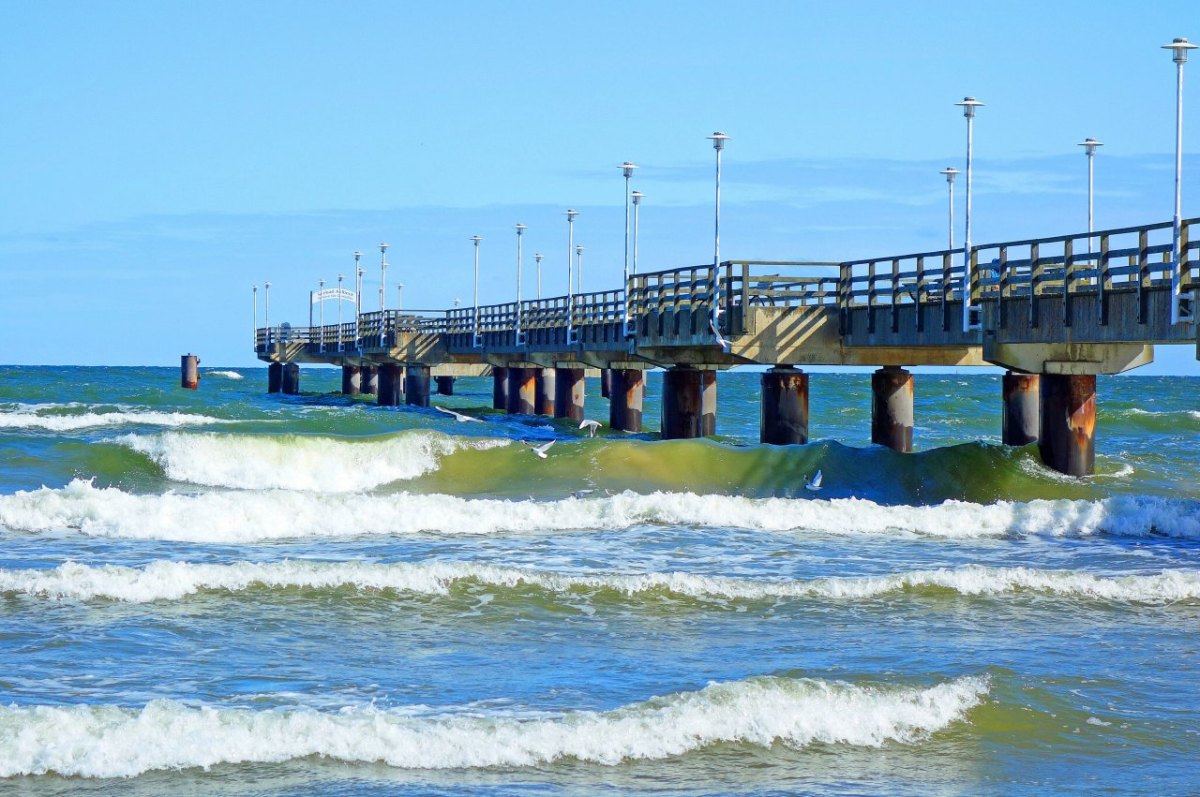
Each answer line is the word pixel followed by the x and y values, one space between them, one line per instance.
pixel 499 388
pixel 569 391
pixel 1022 409
pixel 783 418
pixel 544 401
pixel 416 385
pixel 682 412
pixel 389 385
pixel 445 385
pixel 351 380
pixel 606 383
pixel 189 371
pixel 274 377
pixel 626 389
pixel 892 408
pixel 291 379
pixel 370 380
pixel 1068 428
pixel 708 403
pixel 522 390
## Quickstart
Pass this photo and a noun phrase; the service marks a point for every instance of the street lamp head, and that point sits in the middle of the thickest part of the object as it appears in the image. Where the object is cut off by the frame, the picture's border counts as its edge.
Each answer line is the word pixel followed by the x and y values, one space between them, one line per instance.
pixel 321 282
pixel 950 172
pixel 476 239
pixel 267 285
pixel 357 254
pixel 637 197
pixel 571 214
pixel 1181 47
pixel 627 169
pixel 579 249
pixel 969 104
pixel 718 139
pixel 538 256
pixel 383 247
pixel 521 228
pixel 1091 145
pixel 340 278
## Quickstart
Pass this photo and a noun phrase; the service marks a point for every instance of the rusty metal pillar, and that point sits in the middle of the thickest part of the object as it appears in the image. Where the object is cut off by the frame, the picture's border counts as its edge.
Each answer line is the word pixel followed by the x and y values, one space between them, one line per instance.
pixel 892 408
pixel 522 390
pixel 627 388
pixel 544 401
pixel 1022 409
pixel 370 380
pixel 189 371
pixel 445 385
pixel 708 403
pixel 274 377
pixel 570 388
pixel 389 385
pixel 416 385
pixel 682 413
pixel 291 379
pixel 351 380
pixel 784 409
pixel 499 388
pixel 1068 430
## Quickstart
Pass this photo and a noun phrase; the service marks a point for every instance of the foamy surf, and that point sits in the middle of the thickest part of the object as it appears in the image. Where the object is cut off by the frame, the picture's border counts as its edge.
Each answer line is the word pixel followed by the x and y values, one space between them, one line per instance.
pixel 110 741
pixel 252 516
pixel 52 418
pixel 225 374
pixel 298 462
pixel 167 580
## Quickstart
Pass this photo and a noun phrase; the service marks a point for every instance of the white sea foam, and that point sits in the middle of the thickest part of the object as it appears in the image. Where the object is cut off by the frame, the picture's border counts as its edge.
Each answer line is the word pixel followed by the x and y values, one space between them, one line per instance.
pixel 250 516
pixel 227 374
pixel 42 416
pixel 298 462
pixel 167 580
pixel 109 741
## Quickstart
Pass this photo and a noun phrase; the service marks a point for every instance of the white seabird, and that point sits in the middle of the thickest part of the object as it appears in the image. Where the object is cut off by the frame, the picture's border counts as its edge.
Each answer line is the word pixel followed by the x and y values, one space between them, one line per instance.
pixel 542 449
pixel 458 416
pixel 814 484
pixel 591 426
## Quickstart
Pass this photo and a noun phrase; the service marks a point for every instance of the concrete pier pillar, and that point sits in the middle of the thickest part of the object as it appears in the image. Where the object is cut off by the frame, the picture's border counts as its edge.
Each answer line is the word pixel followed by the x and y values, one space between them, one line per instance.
pixel 499 388
pixel 606 377
pixel 351 380
pixel 291 379
pixel 544 401
pixel 416 386
pixel 370 380
pixel 189 371
pixel 708 403
pixel 783 417
pixel 682 412
pixel 389 385
pixel 569 391
pixel 522 390
pixel 892 408
pixel 1068 429
pixel 1022 409
pixel 627 389
pixel 274 377
pixel 445 385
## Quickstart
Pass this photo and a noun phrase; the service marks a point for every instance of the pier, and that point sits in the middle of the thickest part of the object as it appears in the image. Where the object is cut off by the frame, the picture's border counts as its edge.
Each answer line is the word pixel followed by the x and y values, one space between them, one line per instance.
pixel 1054 312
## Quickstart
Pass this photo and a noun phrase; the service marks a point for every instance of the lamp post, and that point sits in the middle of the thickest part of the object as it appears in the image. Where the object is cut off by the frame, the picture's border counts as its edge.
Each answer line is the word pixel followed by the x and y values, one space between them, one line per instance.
pixel 718 139
pixel 968 104
pixel 537 258
pixel 520 228
pixel 320 312
pixel 571 214
pixel 383 264
pixel 627 170
pixel 637 203
pixel 267 305
pixel 579 268
pixel 475 339
pixel 400 297
pixel 1179 48
pixel 950 173
pixel 254 337
pixel 1090 145
pixel 358 272
pixel 339 327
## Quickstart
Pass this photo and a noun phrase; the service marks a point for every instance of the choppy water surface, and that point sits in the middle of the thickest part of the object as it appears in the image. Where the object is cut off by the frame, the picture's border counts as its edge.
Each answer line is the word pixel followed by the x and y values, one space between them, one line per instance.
pixel 226 592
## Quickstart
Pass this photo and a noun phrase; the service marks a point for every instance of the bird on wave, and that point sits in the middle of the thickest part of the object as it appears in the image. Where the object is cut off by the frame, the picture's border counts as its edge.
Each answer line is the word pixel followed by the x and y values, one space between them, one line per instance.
pixel 458 416
pixel 541 450
pixel 814 484
pixel 591 426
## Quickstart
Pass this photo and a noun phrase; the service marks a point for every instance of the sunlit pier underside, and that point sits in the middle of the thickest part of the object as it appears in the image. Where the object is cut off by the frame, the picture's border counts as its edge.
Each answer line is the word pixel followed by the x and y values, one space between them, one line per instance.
pixel 1054 312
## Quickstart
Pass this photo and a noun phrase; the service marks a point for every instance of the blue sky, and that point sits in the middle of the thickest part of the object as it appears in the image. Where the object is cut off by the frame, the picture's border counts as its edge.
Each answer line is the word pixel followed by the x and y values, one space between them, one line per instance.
pixel 159 158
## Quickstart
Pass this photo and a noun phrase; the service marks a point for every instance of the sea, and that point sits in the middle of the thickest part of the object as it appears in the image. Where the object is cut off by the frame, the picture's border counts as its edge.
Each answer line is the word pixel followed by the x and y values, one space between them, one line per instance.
pixel 225 592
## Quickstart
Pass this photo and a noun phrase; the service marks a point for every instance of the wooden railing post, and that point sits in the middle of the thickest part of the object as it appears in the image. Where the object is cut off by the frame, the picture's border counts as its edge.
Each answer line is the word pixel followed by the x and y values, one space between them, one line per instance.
pixel 1068 279
pixel 1036 274
pixel 895 295
pixel 1144 279
pixel 947 289
pixel 918 295
pixel 845 288
pixel 871 294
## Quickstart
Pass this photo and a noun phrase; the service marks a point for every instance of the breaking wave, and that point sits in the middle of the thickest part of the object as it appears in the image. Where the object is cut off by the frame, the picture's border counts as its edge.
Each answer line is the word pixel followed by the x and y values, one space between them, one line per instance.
pixel 227 374
pixel 66 417
pixel 250 516
pixel 167 580
pixel 110 741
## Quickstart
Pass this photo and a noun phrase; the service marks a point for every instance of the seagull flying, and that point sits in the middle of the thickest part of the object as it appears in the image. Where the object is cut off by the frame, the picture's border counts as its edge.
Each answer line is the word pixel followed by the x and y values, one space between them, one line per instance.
pixel 458 416
pixel 591 426
pixel 814 484
pixel 542 449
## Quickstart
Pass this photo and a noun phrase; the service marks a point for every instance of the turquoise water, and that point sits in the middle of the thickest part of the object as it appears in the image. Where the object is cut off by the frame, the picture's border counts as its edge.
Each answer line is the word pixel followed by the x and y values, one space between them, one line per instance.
pixel 227 592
